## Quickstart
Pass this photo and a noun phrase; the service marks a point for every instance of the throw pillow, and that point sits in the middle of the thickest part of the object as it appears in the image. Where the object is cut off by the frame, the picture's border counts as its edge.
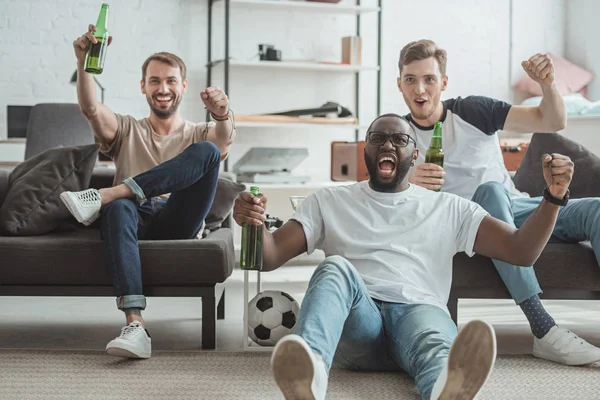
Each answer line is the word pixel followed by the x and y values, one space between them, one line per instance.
pixel 530 178
pixel 32 205
pixel 570 78
pixel 227 191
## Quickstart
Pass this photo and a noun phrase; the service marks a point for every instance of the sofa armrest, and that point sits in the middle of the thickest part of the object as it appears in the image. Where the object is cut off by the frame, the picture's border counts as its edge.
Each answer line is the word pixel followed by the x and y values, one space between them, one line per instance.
pixel 223 238
pixel 3 184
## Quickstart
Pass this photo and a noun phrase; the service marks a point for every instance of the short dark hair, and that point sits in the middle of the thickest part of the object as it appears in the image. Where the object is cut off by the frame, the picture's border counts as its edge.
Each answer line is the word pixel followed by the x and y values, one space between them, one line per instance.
pixel 393 115
pixel 422 50
pixel 167 58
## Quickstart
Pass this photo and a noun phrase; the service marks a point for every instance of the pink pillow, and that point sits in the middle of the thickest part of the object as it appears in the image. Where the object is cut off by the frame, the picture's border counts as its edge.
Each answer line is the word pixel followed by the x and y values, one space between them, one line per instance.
pixel 569 77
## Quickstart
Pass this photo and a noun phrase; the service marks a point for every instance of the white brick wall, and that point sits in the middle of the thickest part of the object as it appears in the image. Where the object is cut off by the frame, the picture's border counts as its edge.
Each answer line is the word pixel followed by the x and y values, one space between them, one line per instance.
pixel 37 57
pixel 583 32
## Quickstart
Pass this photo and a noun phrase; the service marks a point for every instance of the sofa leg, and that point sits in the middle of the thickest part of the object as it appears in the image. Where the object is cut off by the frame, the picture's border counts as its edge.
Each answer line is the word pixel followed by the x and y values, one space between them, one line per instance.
pixel 221 307
pixel 209 322
pixel 453 308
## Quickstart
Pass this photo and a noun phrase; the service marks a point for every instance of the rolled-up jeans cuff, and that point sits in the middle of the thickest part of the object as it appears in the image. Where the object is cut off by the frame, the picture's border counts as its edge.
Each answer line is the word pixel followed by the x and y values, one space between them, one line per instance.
pixel 135 188
pixel 131 301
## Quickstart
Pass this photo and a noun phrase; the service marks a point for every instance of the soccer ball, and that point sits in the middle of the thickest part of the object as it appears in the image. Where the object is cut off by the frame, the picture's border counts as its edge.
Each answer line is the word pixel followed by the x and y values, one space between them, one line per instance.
pixel 272 314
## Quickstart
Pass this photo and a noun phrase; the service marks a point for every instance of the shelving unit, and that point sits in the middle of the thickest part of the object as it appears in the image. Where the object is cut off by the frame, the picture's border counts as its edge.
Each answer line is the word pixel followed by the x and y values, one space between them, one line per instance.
pixel 302 6
pixel 307 66
pixel 227 63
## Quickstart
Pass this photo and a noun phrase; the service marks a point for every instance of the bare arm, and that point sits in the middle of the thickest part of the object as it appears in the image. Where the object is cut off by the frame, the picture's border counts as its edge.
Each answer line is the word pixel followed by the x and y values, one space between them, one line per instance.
pixel 102 120
pixel 500 241
pixel 279 247
pixel 223 133
pixel 551 115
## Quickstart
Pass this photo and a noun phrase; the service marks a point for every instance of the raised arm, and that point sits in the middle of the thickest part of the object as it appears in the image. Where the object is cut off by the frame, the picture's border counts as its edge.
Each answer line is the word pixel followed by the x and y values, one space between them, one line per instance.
pixel 279 247
pixel 102 120
pixel 550 115
pixel 500 241
pixel 223 133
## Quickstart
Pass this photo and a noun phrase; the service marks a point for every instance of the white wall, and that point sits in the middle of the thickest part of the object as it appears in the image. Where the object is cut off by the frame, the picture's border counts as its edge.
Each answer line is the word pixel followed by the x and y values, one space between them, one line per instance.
pixel 37 57
pixel 583 31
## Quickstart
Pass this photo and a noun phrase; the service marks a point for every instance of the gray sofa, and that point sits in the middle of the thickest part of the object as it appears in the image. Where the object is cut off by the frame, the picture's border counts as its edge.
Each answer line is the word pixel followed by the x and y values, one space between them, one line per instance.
pixel 72 264
pixel 566 271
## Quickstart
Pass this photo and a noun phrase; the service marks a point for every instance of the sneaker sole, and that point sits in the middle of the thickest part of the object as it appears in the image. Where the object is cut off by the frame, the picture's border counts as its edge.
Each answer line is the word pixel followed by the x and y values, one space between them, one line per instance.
pixel 470 361
pixel 293 370
pixel 585 360
pixel 67 201
pixel 125 353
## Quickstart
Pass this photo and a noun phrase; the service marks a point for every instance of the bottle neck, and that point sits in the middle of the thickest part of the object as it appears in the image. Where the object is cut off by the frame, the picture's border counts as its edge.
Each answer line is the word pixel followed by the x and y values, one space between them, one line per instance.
pixel 101 24
pixel 436 142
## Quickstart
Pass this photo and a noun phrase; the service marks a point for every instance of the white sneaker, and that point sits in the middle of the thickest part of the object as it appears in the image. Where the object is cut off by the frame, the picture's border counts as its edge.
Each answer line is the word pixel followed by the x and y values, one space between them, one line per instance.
pixel 299 373
pixel 84 205
pixel 470 363
pixel 563 346
pixel 134 342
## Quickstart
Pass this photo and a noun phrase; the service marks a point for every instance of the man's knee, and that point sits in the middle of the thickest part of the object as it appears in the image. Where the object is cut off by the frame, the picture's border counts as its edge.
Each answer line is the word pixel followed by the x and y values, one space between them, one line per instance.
pixel 204 150
pixel 337 265
pixel 491 194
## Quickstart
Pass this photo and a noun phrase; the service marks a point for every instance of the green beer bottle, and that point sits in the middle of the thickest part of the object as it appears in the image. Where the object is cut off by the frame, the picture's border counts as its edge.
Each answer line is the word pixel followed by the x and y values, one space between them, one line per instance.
pixel 251 257
pixel 94 59
pixel 435 152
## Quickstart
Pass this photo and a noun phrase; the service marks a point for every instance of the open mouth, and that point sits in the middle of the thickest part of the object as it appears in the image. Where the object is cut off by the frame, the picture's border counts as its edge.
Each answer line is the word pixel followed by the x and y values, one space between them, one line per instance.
pixel 386 165
pixel 163 100
pixel 420 102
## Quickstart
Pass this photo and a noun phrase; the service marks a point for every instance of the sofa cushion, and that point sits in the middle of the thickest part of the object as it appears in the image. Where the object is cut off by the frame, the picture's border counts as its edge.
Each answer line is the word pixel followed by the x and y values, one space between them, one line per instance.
pixel 554 269
pixel 32 205
pixel 77 258
pixel 570 78
pixel 227 191
pixel 530 179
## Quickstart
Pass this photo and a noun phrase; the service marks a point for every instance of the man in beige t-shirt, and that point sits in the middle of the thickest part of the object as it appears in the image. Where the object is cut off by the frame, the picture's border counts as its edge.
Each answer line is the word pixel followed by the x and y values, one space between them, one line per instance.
pixel 166 177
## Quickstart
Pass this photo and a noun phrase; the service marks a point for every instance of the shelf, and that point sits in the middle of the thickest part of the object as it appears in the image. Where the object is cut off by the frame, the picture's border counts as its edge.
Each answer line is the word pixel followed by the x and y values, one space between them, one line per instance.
pixel 301 6
pixel 294 125
pixel 298 65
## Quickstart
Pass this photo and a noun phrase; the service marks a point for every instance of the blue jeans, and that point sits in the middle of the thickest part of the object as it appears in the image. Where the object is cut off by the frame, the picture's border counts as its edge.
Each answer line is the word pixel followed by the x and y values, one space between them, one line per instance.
pixel 578 221
pixel 191 178
pixel 342 324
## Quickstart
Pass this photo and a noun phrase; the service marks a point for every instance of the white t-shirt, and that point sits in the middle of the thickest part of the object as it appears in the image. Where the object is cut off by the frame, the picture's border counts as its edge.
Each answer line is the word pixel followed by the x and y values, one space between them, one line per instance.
pixel 472 154
pixel 401 244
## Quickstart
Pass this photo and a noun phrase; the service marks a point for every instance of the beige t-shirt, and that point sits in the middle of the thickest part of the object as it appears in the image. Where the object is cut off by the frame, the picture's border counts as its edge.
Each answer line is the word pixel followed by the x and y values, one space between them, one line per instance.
pixel 138 148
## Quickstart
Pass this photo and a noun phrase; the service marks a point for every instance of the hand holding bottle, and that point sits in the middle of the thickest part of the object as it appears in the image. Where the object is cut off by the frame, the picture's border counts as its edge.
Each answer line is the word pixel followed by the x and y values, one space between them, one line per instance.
pixel 430 176
pixel 82 44
pixel 249 209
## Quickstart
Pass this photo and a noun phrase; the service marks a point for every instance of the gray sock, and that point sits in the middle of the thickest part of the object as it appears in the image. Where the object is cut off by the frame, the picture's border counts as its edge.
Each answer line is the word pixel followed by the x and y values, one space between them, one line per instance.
pixel 539 320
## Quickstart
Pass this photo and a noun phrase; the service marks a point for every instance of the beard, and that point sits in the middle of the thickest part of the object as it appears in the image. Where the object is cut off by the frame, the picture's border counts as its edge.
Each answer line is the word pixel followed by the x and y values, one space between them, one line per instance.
pixel 388 186
pixel 162 113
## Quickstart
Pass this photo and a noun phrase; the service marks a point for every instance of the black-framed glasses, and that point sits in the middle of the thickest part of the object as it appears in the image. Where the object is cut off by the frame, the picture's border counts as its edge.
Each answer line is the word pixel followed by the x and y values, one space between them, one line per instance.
pixel 397 139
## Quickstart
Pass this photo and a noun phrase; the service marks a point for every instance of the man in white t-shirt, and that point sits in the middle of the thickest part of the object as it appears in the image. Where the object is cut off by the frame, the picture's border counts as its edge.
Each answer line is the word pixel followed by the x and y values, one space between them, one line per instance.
pixel 474 169
pixel 378 301
pixel 166 177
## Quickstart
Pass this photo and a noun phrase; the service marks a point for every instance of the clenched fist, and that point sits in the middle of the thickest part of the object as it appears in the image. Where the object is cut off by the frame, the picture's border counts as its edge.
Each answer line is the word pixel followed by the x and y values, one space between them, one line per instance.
pixel 216 102
pixel 558 173
pixel 83 42
pixel 540 68
pixel 249 209
pixel 429 176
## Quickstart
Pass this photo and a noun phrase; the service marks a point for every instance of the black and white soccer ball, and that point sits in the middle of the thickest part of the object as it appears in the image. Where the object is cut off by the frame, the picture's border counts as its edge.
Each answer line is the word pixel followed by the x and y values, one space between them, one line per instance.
pixel 272 314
